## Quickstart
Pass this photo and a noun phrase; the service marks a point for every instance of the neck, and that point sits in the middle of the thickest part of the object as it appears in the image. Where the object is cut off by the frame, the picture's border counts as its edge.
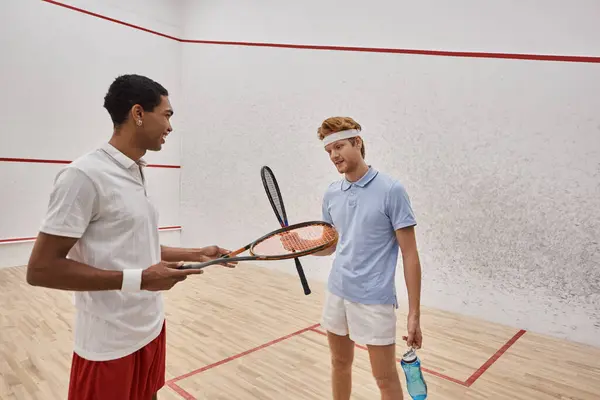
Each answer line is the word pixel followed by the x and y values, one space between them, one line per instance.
pixel 125 144
pixel 357 173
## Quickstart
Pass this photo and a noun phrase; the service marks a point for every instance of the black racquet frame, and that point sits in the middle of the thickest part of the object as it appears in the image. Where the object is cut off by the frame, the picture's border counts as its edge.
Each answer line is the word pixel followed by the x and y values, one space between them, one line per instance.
pixel 283 220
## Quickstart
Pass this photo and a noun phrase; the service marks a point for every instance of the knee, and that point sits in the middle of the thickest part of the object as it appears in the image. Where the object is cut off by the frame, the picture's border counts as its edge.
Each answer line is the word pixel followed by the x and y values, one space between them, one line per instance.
pixel 387 382
pixel 341 363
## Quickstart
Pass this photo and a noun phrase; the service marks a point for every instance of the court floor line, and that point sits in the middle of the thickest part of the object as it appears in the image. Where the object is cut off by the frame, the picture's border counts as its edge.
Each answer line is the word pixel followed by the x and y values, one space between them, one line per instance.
pixel 427 370
pixel 475 375
pixel 172 383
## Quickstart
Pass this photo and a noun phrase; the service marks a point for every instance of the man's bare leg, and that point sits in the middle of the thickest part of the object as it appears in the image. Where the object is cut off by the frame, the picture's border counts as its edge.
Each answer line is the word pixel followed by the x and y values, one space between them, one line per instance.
pixel 384 368
pixel 342 356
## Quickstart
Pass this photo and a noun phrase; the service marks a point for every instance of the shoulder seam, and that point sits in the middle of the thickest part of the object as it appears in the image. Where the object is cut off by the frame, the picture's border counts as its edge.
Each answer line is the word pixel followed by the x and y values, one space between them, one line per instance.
pixel 88 177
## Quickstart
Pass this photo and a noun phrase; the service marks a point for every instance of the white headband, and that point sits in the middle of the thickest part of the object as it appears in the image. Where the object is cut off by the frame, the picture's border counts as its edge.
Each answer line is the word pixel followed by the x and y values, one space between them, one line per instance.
pixel 334 137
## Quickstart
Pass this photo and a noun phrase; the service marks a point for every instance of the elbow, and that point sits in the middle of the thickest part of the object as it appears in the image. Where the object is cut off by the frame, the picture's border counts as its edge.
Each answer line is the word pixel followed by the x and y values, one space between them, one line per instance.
pixel 35 275
pixel 31 278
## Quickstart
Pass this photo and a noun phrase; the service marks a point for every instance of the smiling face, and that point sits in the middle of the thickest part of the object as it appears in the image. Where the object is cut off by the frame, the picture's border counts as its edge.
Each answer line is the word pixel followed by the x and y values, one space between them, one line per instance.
pixel 155 125
pixel 140 111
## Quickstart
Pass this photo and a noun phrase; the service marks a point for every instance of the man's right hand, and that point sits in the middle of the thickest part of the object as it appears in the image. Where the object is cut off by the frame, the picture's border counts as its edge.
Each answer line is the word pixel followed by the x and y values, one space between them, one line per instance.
pixel 291 241
pixel 164 275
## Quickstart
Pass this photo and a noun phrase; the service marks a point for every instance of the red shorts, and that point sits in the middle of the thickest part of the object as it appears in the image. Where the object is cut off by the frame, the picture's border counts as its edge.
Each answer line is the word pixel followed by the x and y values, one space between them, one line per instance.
pixel 138 376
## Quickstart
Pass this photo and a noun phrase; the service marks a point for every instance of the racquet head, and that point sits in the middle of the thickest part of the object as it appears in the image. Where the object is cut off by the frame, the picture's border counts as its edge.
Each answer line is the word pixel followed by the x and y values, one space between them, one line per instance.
pixel 288 242
pixel 295 240
pixel 274 194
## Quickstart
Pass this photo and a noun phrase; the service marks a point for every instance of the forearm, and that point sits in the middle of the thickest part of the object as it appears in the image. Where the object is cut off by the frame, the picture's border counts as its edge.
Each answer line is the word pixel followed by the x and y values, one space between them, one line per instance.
pixel 325 252
pixel 412 277
pixel 65 274
pixel 297 243
pixel 175 254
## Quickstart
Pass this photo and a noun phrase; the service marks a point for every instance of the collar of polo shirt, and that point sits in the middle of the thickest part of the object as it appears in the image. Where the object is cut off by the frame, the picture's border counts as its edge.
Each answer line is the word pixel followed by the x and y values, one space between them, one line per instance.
pixel 121 158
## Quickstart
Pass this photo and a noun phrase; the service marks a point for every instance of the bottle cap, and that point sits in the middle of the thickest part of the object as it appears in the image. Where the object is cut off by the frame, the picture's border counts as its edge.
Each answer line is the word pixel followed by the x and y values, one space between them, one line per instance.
pixel 410 355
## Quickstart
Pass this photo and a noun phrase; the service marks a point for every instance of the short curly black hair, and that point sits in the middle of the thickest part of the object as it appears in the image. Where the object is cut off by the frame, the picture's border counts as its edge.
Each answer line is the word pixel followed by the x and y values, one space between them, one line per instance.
pixel 129 90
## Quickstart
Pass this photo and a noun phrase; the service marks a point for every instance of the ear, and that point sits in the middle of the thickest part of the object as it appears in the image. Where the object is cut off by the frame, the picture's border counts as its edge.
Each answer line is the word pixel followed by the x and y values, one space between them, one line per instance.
pixel 137 113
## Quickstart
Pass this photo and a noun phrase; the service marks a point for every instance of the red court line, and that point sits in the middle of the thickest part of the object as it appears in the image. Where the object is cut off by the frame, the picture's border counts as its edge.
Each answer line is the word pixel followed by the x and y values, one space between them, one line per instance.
pixel 469 54
pixel 438 374
pixel 163 166
pixel 494 358
pixel 180 391
pixel 81 10
pixel 475 375
pixel 187 396
pixel 17 240
pixel 228 359
pixel 444 53
pixel 47 161
pixel 32 239
pixel 33 160
pixel 169 228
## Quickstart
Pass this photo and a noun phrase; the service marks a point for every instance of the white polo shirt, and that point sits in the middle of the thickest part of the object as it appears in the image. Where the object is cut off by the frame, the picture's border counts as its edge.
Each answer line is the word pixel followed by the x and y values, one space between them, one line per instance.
pixel 101 198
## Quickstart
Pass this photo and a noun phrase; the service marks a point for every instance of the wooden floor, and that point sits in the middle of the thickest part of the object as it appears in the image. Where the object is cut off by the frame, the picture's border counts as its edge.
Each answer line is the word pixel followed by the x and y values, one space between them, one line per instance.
pixel 250 333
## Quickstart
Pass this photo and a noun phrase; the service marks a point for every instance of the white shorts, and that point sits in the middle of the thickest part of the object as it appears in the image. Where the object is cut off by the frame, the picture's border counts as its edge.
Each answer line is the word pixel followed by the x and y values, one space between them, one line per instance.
pixel 366 324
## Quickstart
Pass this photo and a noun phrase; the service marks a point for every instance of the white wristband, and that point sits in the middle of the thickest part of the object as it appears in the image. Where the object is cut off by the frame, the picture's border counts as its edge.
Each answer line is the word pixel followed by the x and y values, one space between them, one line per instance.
pixel 132 280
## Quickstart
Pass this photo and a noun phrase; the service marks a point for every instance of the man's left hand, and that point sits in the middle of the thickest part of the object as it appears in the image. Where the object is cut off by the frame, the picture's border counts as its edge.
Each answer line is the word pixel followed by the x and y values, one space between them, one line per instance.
pixel 213 252
pixel 415 337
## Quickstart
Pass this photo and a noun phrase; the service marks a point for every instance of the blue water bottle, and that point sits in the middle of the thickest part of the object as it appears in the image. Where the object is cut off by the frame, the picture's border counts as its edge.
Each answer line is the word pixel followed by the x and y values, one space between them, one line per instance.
pixel 415 383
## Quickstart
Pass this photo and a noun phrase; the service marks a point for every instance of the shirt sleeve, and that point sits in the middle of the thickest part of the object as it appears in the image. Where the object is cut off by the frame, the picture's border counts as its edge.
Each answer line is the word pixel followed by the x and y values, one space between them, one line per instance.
pixel 399 209
pixel 73 204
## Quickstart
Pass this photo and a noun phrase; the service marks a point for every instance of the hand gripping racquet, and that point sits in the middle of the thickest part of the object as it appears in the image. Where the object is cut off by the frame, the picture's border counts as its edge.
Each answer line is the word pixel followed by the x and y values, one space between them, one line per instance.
pixel 292 241
pixel 276 200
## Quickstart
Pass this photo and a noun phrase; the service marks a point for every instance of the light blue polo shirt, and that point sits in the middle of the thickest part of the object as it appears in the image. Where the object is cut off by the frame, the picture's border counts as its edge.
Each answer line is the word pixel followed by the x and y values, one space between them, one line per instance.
pixel 366 214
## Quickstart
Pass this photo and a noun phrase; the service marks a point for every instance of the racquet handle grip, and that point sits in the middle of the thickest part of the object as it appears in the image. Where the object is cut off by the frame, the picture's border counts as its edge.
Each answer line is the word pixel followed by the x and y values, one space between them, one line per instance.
pixel 302 277
pixel 222 260
pixel 198 265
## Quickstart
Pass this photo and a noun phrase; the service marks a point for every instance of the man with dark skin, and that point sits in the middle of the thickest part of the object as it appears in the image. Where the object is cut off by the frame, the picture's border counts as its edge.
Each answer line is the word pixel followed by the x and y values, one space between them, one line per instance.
pixel 100 240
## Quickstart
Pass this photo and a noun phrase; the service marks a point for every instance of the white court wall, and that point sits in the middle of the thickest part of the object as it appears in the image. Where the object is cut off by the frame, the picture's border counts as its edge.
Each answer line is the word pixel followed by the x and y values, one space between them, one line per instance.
pixel 57 65
pixel 513 26
pixel 500 156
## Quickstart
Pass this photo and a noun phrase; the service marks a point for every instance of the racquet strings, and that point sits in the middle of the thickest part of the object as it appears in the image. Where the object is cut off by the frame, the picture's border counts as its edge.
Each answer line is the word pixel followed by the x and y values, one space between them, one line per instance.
pixel 273 193
pixel 301 239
